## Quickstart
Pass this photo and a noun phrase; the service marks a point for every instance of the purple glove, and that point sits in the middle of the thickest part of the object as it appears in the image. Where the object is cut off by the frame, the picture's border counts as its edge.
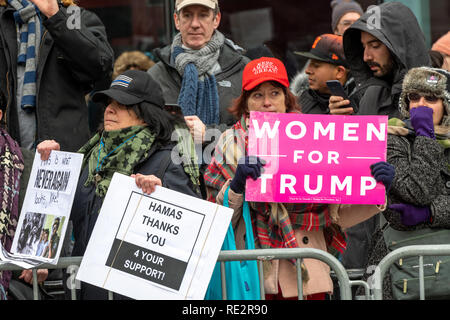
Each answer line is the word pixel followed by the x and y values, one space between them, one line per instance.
pixel 383 172
pixel 412 215
pixel 422 121
pixel 248 166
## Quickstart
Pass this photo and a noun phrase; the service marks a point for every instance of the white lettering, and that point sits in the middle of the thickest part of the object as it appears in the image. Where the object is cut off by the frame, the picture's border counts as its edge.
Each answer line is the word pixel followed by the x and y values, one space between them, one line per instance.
pixel 347 183
pixel 348 131
pixel 379 133
pixel 297 155
pixel 264 177
pixel 319 158
pixel 319 185
pixel 329 130
pixel 298 124
pixel 364 186
pixel 290 185
pixel 333 156
pixel 271 132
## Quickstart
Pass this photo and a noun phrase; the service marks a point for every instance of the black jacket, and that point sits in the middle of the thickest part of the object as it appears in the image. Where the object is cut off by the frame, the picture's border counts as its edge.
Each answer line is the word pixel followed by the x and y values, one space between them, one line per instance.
pixel 70 62
pixel 313 102
pixel 86 204
pixel 401 33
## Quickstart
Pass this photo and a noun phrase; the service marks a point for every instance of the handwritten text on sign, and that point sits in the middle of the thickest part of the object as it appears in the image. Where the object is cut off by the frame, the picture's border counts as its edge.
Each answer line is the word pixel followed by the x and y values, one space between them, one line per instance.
pixel 317 158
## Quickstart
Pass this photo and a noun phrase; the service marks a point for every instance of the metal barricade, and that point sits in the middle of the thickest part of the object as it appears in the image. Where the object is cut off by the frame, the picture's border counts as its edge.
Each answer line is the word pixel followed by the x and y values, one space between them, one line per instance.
pixel 236 255
pixel 298 253
pixel 404 252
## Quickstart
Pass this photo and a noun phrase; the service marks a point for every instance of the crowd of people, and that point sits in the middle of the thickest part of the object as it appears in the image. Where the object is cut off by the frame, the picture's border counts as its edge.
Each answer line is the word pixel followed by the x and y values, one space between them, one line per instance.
pixel 196 100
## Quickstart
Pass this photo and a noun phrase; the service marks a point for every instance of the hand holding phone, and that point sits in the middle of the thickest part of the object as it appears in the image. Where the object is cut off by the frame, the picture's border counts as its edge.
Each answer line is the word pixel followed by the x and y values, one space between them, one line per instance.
pixel 336 106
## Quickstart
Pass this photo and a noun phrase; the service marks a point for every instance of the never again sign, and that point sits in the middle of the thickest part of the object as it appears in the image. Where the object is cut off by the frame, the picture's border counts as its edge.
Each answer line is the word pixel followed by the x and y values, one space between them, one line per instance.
pixel 317 158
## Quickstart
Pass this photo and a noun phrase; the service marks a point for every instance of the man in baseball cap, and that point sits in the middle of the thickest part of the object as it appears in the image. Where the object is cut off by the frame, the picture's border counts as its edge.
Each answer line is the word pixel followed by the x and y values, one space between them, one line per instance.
pixel 212 4
pixel 201 70
pixel 327 62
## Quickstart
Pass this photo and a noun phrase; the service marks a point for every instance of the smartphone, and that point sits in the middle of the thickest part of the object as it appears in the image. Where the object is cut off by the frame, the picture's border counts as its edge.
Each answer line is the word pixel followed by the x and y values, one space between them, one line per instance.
pixel 174 109
pixel 337 89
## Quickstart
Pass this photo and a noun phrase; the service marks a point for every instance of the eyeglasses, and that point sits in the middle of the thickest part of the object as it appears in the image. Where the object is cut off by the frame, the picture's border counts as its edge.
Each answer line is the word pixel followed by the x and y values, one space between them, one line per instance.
pixel 414 97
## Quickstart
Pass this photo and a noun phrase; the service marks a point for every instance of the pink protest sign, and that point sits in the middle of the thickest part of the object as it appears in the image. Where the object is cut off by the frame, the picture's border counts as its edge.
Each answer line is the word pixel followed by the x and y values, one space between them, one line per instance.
pixel 316 158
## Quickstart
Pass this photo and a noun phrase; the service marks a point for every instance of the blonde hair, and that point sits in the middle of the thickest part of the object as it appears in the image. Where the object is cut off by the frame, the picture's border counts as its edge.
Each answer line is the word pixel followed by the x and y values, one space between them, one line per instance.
pixel 132 59
pixel 65 3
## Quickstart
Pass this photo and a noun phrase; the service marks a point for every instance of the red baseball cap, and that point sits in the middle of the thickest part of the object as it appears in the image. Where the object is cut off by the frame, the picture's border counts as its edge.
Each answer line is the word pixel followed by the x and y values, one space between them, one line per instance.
pixel 264 69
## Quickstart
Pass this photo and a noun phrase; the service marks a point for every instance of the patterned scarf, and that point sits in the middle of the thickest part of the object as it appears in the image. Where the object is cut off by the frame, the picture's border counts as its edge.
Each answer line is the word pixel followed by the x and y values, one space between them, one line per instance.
pixel 187 154
pixel 11 168
pixel 275 222
pixel 115 151
pixel 198 93
pixel 28 19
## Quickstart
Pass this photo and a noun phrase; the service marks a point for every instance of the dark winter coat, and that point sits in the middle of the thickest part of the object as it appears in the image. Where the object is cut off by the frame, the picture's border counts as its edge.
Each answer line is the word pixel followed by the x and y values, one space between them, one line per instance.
pixel 87 204
pixel 229 80
pixel 313 102
pixel 401 33
pixel 70 61
pixel 422 178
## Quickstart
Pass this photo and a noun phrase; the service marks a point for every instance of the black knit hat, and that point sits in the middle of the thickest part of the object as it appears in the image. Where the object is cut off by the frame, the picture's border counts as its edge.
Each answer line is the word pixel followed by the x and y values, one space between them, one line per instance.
pixel 340 8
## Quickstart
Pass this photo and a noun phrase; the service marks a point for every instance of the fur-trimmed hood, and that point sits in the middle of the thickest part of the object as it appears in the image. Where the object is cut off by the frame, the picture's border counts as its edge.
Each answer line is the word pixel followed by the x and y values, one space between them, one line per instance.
pixel 427 81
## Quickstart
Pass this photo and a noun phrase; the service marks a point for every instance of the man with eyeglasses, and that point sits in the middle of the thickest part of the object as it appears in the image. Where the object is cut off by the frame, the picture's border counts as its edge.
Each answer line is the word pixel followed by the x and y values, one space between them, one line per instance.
pixel 201 71
pixel 344 14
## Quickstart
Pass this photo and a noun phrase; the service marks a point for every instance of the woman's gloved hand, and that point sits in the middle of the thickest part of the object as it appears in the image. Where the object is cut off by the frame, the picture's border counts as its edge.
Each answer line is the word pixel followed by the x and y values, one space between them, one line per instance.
pixel 383 172
pixel 411 215
pixel 422 121
pixel 247 166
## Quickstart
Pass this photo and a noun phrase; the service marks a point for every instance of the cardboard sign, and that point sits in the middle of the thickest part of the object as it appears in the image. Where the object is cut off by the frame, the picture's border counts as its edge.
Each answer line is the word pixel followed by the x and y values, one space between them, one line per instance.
pixel 317 158
pixel 46 210
pixel 158 246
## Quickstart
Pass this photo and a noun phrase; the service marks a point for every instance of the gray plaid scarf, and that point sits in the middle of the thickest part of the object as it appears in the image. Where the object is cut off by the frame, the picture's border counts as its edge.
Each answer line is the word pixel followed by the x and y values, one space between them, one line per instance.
pixel 30 29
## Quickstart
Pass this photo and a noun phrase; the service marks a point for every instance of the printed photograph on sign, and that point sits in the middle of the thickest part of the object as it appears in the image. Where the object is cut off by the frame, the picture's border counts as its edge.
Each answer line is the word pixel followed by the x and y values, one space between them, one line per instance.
pixel 40 235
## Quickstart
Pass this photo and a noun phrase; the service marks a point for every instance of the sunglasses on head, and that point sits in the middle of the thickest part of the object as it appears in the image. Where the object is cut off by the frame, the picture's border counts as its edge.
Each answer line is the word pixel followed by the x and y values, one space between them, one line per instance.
pixel 414 97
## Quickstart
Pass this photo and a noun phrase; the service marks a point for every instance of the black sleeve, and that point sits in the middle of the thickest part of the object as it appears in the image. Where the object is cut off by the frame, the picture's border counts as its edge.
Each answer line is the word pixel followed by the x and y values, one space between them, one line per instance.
pixel 175 178
pixel 85 45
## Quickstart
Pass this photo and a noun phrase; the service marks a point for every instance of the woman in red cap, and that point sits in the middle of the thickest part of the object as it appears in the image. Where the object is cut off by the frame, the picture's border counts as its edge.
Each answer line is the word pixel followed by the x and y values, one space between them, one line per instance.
pixel 265 88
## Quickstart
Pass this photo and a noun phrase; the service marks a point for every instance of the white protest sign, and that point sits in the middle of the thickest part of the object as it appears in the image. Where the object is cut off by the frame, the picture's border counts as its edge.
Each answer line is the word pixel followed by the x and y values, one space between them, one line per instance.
pixel 46 209
pixel 159 246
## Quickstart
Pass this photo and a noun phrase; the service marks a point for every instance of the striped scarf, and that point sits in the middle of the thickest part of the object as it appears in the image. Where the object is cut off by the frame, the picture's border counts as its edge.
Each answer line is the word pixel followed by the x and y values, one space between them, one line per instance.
pixel 275 222
pixel 27 17
pixel 198 93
